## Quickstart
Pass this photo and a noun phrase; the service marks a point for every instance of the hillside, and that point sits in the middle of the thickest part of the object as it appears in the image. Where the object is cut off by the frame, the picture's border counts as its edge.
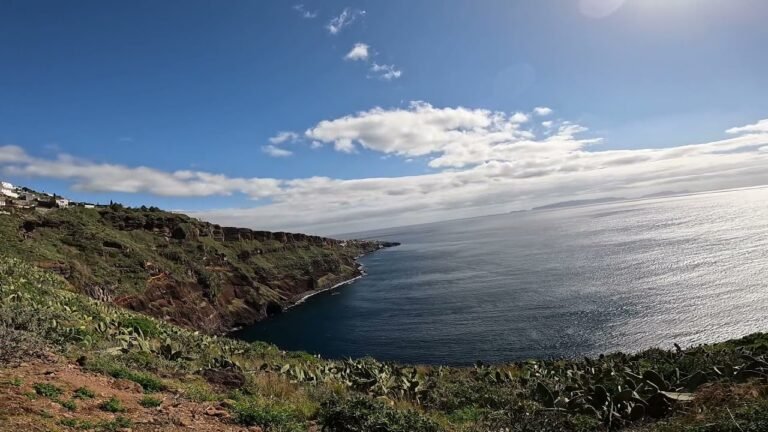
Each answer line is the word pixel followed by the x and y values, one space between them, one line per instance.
pixel 177 268
pixel 70 363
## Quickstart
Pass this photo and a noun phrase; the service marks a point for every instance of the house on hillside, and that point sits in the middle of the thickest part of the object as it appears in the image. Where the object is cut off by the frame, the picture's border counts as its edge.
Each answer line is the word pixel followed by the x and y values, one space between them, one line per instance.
pixel 7 190
pixel 62 202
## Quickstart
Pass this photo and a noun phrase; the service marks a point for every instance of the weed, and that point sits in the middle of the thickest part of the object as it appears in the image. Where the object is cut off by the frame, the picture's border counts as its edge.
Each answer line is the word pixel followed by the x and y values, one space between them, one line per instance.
pixel 112 405
pixel 271 416
pixel 115 425
pixel 70 405
pixel 150 402
pixel 84 393
pixel 47 390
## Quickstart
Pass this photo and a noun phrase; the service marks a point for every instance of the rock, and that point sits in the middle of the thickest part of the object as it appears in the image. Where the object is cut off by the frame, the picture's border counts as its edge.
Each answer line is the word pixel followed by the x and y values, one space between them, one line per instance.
pixel 216 412
pixel 229 378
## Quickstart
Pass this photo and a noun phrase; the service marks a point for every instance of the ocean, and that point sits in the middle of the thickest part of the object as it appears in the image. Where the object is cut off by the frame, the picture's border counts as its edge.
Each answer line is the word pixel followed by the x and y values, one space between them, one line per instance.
pixel 565 282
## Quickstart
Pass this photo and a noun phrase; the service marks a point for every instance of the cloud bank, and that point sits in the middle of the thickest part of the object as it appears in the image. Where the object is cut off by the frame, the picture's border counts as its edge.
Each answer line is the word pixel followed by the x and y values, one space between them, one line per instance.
pixel 480 162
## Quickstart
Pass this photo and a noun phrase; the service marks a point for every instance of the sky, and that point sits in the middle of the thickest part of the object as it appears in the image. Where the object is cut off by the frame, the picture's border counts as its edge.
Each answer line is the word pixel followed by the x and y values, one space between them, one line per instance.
pixel 343 116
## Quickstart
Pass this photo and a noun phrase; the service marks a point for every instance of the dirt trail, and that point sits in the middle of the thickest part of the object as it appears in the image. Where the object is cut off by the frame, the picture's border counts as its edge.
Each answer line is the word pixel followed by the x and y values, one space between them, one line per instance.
pixel 21 409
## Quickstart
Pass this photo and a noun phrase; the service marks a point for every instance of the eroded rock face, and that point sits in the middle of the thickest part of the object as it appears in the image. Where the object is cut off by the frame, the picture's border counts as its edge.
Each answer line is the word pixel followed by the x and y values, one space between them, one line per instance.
pixel 192 273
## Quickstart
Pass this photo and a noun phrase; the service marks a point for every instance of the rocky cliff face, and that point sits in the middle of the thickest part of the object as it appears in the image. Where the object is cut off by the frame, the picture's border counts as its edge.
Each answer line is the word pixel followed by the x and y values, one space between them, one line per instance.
pixel 189 272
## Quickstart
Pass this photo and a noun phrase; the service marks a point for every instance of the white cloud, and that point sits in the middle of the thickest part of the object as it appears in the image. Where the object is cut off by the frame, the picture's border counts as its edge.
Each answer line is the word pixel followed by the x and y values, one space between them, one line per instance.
pixel 103 177
pixel 358 52
pixel 12 154
pixel 542 111
pixel 304 12
pixel 283 137
pixel 453 137
pixel 484 163
pixel 386 72
pixel 347 17
pixel 759 127
pixel 276 151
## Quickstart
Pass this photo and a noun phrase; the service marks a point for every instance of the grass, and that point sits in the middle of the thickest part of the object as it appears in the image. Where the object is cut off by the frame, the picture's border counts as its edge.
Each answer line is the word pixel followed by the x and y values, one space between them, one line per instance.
pixel 268 415
pixel 148 382
pixel 112 405
pixel 47 390
pixel 69 405
pixel 115 425
pixel 84 393
pixel 150 402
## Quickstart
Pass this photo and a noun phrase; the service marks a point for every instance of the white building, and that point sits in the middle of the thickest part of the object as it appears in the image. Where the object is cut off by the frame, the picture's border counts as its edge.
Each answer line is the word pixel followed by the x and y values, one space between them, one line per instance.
pixel 9 193
pixel 62 203
pixel 7 190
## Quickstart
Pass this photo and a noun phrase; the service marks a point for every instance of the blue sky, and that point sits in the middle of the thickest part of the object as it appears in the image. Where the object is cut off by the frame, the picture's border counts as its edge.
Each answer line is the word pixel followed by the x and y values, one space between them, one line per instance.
pixel 107 100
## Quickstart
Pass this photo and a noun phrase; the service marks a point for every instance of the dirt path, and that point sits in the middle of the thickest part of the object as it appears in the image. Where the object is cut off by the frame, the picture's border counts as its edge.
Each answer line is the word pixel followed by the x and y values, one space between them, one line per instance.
pixel 23 407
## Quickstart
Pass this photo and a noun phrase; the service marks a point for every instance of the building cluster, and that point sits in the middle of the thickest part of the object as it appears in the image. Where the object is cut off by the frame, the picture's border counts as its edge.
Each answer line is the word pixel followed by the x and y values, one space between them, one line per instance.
pixel 21 197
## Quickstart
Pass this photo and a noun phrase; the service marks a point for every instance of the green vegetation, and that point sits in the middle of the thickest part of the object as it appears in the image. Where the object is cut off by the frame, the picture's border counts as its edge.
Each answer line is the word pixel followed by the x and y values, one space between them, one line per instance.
pixel 112 405
pixel 84 393
pixel 47 390
pixel 270 415
pixel 150 402
pixel 147 382
pixel 226 276
pixel 720 387
pixel 70 405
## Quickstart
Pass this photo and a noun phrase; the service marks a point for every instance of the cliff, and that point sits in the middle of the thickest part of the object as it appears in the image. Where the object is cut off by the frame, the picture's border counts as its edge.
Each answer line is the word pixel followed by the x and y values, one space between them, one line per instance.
pixel 177 268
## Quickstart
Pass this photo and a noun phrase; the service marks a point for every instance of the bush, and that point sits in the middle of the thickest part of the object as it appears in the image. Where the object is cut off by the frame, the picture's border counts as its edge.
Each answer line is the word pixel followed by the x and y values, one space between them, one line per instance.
pixel 47 390
pixel 112 405
pixel 150 402
pixel 273 417
pixel 84 393
pixel 147 381
pixel 146 326
pixel 70 405
pixel 18 338
pixel 362 414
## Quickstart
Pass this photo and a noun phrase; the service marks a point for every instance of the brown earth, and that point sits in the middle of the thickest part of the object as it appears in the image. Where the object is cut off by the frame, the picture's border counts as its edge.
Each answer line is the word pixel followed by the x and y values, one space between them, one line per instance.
pixel 23 410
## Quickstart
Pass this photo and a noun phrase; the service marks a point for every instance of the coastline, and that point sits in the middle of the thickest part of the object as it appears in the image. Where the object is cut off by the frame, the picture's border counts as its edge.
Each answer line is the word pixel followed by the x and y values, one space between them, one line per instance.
pixel 309 294
pixel 360 273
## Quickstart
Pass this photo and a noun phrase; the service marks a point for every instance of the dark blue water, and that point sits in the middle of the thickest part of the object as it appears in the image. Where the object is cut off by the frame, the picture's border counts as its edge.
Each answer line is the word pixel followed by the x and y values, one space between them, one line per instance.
pixel 566 282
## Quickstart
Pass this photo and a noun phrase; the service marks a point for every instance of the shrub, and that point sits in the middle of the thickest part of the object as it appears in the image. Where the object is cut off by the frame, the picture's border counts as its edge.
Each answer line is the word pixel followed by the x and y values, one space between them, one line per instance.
pixel 47 390
pixel 145 325
pixel 70 405
pixel 84 393
pixel 112 405
pixel 362 414
pixel 18 336
pixel 273 417
pixel 150 402
pixel 115 425
pixel 147 381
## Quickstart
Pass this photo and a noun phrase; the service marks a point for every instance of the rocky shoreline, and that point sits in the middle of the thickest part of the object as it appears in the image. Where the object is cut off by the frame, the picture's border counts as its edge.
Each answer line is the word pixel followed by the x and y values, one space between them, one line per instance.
pixel 359 273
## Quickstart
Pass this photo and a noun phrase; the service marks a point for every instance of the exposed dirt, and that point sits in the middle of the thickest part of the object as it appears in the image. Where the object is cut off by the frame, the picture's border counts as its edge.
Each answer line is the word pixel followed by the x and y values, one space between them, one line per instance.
pixel 21 409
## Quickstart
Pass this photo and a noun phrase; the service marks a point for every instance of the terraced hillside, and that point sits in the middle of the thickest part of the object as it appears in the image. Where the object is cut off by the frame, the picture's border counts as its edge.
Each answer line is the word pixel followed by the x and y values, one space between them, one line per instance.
pixel 177 268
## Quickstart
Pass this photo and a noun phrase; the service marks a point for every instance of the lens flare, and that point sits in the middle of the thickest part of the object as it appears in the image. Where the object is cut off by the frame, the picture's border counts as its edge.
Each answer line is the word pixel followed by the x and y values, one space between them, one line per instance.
pixel 599 8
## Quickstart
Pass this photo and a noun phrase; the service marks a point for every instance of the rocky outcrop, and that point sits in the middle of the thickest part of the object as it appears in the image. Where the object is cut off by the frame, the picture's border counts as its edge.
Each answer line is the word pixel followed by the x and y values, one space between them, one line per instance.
pixel 193 273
